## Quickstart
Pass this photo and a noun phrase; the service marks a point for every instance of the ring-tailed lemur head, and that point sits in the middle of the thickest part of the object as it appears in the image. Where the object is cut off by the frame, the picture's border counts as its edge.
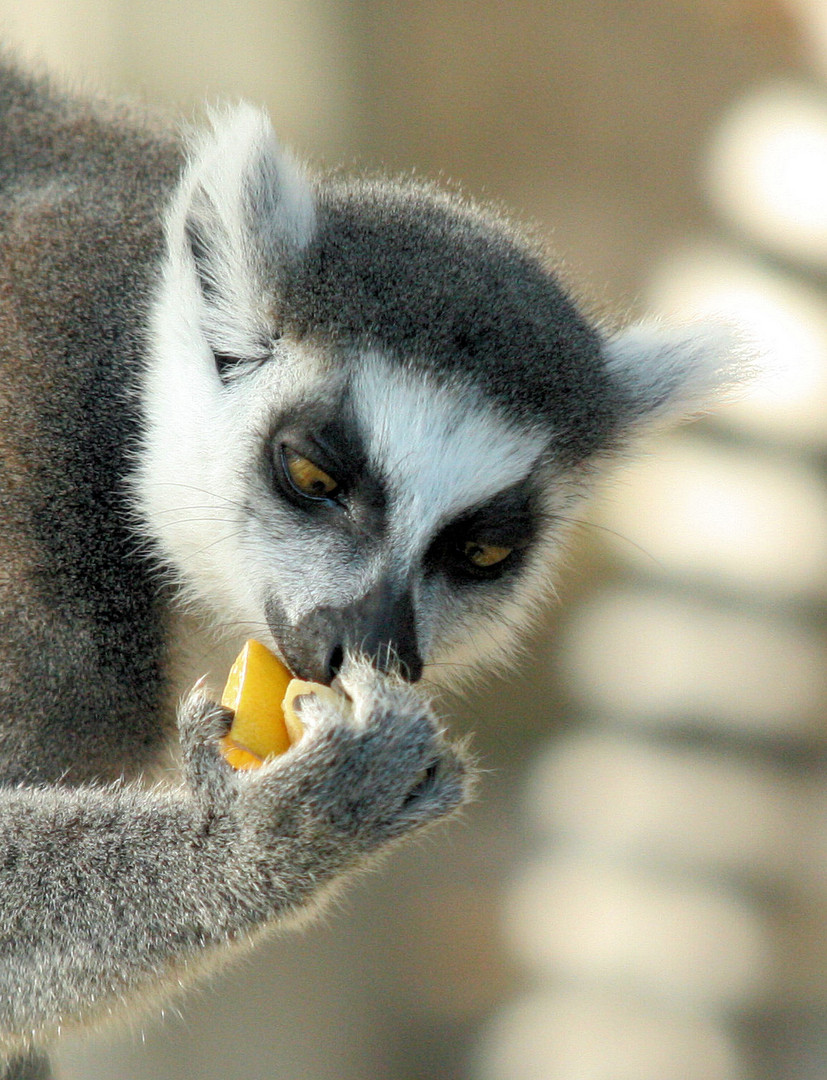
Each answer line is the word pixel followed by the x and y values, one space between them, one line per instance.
pixel 371 409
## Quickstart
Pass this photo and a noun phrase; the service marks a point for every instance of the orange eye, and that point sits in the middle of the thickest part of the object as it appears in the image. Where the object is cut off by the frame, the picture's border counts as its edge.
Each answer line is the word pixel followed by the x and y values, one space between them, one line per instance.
pixel 306 477
pixel 485 555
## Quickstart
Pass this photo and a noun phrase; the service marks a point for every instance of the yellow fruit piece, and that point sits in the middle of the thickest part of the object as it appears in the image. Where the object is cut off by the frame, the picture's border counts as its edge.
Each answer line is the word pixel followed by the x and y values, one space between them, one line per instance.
pixel 238 757
pixel 255 689
pixel 260 690
pixel 298 688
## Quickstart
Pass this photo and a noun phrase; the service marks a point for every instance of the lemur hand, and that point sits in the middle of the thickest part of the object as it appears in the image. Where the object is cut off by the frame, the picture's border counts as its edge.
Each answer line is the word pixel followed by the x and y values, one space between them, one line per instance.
pixel 358 779
pixel 150 884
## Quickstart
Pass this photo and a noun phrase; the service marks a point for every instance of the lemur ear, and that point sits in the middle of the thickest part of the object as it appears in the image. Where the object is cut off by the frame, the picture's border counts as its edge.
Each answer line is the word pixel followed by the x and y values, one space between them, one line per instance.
pixel 665 372
pixel 243 208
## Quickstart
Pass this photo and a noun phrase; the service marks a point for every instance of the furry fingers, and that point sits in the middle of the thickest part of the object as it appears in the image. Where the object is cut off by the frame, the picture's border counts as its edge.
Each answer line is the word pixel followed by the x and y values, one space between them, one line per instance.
pixel 364 775
pixel 212 861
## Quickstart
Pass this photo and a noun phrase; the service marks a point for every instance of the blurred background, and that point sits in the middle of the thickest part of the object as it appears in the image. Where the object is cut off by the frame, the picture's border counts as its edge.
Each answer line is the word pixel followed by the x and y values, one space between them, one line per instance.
pixel 640 892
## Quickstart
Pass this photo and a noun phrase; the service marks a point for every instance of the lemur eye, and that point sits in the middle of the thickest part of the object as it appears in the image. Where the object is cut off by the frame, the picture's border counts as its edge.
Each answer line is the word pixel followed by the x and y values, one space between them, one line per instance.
pixel 484 556
pixel 306 477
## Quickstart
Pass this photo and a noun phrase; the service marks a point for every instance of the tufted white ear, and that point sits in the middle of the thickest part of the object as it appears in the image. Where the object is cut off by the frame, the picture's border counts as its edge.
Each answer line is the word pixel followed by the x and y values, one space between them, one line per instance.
pixel 665 372
pixel 243 207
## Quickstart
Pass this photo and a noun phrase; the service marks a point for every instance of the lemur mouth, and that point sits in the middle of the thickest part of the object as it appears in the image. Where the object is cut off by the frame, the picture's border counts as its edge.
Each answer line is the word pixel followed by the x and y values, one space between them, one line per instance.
pixel 302 663
pixel 301 672
pixel 385 658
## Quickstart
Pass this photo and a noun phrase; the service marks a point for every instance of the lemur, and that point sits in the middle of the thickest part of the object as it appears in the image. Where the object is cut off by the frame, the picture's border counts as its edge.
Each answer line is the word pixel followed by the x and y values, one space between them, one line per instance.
pixel 353 416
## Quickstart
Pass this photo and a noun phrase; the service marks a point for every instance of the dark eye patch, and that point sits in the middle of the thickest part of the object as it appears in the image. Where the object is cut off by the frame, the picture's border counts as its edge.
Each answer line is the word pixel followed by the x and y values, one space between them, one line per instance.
pixel 326 434
pixel 509 521
pixel 329 438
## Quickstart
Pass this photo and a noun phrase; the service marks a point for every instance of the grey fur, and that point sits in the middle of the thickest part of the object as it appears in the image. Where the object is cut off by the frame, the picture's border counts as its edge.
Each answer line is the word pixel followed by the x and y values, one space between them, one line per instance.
pixel 489 316
pixel 32 1066
pixel 111 893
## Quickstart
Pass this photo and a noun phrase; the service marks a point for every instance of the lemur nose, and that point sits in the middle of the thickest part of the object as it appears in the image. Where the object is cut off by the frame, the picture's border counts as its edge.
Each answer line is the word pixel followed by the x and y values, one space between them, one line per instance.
pixel 381 626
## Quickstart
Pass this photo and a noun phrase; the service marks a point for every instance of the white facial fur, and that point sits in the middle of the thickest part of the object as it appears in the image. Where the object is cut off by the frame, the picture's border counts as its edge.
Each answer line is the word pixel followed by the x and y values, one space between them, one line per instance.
pixel 233 543
pixel 445 452
pixel 442 451
pixel 190 477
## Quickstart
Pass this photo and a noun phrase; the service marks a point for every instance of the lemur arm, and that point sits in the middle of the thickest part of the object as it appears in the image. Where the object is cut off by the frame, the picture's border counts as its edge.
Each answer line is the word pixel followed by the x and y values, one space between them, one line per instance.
pixel 111 893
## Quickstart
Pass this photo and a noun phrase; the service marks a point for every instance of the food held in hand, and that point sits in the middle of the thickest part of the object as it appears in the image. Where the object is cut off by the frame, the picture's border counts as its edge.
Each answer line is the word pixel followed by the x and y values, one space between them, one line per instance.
pixel 261 691
pixel 254 691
